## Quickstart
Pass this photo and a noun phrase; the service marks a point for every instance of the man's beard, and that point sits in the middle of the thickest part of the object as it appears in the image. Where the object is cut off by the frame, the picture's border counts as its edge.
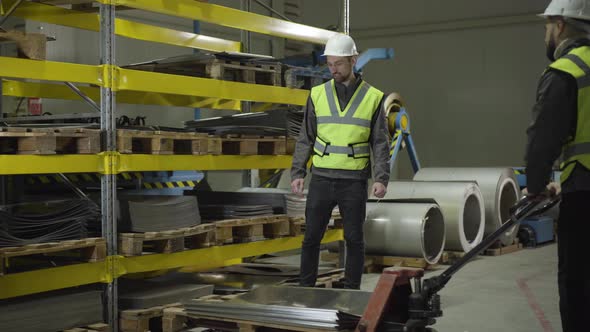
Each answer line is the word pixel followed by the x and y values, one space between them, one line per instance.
pixel 340 78
pixel 550 49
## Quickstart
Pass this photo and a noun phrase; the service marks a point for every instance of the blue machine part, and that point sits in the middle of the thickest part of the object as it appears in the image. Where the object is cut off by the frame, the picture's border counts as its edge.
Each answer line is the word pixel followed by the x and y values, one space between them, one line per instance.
pixel 520 176
pixel 403 139
pixel 373 54
pixel 536 230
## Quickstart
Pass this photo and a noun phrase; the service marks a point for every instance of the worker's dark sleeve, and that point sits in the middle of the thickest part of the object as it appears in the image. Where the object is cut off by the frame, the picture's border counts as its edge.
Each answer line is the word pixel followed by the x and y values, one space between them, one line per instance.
pixel 305 142
pixel 379 140
pixel 553 123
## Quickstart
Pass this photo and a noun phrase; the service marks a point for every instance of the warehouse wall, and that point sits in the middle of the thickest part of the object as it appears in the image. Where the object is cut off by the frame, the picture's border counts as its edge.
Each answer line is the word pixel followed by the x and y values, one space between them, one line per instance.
pixel 467 69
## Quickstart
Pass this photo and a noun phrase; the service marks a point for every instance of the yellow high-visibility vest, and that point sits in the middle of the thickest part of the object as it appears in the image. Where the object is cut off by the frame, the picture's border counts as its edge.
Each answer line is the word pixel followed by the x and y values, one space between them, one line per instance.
pixel 342 140
pixel 577 150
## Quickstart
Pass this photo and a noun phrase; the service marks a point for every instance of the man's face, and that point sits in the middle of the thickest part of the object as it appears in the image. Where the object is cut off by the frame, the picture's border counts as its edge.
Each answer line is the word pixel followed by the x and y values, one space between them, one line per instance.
pixel 552 29
pixel 340 67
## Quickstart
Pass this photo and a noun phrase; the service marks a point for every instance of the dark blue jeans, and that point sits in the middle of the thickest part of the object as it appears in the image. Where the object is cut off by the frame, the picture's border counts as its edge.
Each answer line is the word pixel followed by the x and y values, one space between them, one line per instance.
pixel 574 272
pixel 351 198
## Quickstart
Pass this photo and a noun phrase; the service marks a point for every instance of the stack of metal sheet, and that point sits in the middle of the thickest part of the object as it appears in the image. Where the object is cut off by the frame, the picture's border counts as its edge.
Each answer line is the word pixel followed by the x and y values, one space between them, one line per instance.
pixel 50 312
pixel 157 213
pixel 136 294
pixel 220 212
pixel 268 123
pixel 273 198
pixel 295 205
pixel 31 223
pixel 294 121
pixel 310 308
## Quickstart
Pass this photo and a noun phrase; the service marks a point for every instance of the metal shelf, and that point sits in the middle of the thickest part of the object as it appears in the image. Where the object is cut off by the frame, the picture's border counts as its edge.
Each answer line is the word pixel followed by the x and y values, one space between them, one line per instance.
pixel 125 28
pixel 139 162
pixel 96 163
pixel 60 91
pixel 136 80
pixel 36 164
pixel 230 17
pixel 18 284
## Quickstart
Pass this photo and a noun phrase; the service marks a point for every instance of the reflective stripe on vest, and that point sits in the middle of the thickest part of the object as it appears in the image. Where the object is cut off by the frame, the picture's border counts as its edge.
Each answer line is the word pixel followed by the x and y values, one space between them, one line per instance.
pixel 577 150
pixel 334 109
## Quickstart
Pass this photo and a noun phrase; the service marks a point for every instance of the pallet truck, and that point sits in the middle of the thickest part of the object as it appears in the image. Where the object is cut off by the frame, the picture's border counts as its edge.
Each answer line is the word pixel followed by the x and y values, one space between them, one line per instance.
pixel 395 307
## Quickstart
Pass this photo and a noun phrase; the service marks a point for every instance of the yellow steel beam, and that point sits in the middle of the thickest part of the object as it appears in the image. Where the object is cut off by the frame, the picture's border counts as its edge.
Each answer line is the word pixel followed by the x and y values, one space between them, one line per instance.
pixel 196 10
pixel 144 162
pixel 136 80
pixel 60 91
pixel 50 71
pixel 37 164
pixel 18 284
pixel 208 258
pixel 125 28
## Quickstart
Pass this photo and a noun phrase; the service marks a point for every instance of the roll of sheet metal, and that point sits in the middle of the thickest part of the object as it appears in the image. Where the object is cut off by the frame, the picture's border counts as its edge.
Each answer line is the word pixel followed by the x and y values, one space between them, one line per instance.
pixel 405 229
pixel 461 204
pixel 498 187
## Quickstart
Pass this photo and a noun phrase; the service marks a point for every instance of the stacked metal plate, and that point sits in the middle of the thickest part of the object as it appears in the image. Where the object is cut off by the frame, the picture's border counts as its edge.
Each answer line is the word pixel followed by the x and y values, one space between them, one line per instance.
pixel 41 222
pixel 157 213
pixel 295 205
pixel 220 212
pixel 273 198
pixel 294 121
pixel 50 312
pixel 268 123
pixel 137 294
pixel 310 308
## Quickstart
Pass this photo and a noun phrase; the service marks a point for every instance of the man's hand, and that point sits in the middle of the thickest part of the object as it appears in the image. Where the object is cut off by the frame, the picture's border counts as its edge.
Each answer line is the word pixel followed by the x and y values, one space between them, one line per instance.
pixel 379 190
pixel 551 190
pixel 297 187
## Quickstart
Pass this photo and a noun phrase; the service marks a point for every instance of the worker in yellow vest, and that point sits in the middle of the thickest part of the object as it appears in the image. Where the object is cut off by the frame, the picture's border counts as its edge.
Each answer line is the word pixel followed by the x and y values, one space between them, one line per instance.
pixel 343 122
pixel 561 125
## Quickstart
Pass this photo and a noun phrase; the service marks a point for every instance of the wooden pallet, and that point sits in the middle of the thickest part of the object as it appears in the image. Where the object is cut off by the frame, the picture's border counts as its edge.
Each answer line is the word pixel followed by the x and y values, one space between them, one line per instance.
pixel 450 257
pixel 89 250
pixel 20 140
pixel 303 78
pixel 376 264
pixel 253 145
pixel 219 69
pixel 165 142
pixel 296 226
pixel 327 281
pixel 143 320
pixel 251 229
pixel 137 244
pixel 98 327
pixel 498 249
pixel 29 45
pixel 176 319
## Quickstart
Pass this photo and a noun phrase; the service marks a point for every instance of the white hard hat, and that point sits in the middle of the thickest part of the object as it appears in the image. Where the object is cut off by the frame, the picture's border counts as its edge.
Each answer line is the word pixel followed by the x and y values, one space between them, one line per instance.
pixel 340 45
pixel 578 9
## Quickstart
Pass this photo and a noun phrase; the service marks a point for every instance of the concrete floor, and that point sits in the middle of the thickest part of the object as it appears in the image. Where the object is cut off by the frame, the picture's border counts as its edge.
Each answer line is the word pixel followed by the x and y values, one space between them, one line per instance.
pixel 516 292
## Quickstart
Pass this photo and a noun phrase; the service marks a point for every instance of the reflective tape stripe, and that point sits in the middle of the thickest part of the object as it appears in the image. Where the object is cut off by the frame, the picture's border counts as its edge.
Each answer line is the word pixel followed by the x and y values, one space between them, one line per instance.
pixel 363 89
pixel 319 146
pixel 347 150
pixel 343 120
pixel 584 81
pixel 576 150
pixel 331 101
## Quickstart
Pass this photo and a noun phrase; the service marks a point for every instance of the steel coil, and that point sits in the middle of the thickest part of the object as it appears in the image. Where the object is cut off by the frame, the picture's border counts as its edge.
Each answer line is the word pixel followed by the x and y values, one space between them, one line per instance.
pixel 405 229
pixel 461 204
pixel 498 187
